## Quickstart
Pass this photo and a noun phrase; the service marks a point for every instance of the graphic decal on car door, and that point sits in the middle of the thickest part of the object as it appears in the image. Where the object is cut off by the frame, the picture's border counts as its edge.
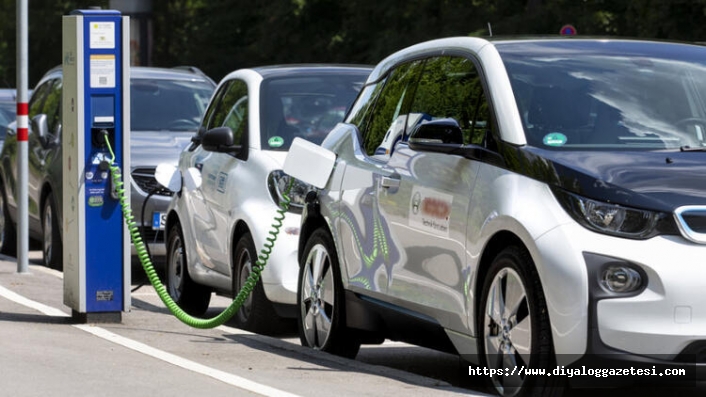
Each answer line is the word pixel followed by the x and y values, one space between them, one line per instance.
pixel 371 241
pixel 429 210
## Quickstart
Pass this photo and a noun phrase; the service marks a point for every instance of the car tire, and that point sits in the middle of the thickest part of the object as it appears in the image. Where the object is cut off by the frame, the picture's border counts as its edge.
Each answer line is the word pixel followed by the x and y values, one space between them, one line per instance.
pixel 516 334
pixel 8 235
pixel 191 297
pixel 256 314
pixel 321 306
pixel 52 251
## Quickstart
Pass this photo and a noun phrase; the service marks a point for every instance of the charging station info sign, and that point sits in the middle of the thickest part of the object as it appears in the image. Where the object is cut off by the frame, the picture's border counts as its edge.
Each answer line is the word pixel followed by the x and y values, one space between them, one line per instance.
pixel 96 257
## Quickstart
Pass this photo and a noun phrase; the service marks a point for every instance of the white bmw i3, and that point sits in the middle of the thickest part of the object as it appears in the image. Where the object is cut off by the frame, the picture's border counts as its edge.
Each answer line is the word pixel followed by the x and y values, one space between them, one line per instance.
pixel 543 209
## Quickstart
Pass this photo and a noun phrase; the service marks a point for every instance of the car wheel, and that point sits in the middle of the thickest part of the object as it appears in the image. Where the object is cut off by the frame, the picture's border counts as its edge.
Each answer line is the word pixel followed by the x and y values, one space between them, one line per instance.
pixel 515 326
pixel 51 243
pixel 256 313
pixel 320 300
pixel 191 297
pixel 8 235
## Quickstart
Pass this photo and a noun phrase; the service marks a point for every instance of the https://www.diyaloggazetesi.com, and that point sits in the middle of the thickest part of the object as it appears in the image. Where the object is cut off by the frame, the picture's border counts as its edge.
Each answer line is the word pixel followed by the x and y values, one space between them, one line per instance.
pixel 522 371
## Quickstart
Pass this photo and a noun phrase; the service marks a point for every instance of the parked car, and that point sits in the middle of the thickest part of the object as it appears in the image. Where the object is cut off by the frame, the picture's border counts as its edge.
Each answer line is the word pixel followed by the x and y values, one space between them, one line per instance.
pixel 217 229
pixel 166 108
pixel 550 213
pixel 8 109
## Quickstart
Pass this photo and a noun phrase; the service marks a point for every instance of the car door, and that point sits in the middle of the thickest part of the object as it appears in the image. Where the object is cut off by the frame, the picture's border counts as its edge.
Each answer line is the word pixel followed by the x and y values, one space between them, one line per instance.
pixel 212 200
pixel 425 198
pixel 44 106
pixel 369 250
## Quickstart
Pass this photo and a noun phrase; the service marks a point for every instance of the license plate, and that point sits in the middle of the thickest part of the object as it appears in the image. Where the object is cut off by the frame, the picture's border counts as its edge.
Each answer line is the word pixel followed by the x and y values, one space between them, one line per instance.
pixel 159 219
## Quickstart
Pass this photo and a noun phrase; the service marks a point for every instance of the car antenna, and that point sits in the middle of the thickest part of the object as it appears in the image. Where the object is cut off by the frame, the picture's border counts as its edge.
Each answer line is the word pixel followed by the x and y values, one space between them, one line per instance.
pixel 490 29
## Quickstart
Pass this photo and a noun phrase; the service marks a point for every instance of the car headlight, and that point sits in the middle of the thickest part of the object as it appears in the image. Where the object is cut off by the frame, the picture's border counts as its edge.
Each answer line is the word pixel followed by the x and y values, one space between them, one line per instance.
pixel 614 219
pixel 277 183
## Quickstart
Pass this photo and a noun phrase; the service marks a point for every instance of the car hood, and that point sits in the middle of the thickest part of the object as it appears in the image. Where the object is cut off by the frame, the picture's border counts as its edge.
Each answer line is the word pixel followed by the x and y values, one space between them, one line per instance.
pixel 654 180
pixel 150 148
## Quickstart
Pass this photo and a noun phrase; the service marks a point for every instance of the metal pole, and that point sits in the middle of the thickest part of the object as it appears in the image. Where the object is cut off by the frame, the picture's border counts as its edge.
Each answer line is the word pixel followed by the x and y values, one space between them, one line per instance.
pixel 22 134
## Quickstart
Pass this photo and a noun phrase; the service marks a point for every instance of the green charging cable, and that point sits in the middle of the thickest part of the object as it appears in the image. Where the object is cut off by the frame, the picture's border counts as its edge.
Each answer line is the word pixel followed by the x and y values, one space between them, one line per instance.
pixel 152 274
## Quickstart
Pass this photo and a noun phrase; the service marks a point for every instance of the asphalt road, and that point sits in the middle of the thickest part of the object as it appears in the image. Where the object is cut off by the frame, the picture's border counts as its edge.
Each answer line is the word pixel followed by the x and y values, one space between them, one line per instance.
pixel 150 353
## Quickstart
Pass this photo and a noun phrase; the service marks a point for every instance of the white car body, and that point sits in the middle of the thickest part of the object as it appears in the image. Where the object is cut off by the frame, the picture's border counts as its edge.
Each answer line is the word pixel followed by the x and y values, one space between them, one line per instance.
pixel 233 199
pixel 420 232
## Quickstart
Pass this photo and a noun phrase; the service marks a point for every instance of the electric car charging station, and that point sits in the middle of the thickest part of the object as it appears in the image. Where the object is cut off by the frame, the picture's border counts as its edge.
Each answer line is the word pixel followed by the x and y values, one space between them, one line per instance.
pixel 96 108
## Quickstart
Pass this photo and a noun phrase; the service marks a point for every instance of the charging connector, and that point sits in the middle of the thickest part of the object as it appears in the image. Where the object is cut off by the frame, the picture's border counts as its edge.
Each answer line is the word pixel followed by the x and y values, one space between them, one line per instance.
pixel 101 136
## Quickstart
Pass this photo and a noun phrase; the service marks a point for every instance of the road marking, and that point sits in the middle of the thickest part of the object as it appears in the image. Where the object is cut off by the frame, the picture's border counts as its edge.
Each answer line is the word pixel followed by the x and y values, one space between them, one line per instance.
pixel 222 376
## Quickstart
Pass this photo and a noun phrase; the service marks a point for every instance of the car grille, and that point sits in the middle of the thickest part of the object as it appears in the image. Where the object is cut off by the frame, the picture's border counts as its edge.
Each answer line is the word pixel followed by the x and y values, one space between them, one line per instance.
pixel 144 178
pixel 151 236
pixel 691 220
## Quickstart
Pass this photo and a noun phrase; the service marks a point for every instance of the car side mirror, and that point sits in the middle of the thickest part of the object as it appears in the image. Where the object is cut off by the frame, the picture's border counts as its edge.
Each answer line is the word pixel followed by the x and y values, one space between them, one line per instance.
pixel 442 135
pixel 446 136
pixel 221 140
pixel 40 127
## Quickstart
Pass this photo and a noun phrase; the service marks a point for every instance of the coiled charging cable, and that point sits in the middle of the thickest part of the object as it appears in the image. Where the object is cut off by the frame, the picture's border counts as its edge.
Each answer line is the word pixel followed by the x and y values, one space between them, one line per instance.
pixel 146 262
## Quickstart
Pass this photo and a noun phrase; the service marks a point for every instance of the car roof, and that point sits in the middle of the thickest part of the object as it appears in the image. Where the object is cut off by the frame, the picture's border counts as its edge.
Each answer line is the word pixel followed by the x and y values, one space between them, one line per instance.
pixel 153 73
pixel 283 70
pixel 465 43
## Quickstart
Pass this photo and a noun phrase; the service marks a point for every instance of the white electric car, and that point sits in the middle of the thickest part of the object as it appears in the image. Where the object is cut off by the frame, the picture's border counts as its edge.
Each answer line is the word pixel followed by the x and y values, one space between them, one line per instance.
pixel 550 212
pixel 221 219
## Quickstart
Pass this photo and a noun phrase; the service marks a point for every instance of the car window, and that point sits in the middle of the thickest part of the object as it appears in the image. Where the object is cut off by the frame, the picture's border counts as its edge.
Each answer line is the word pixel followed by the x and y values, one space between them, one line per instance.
pixel 7 116
pixel 237 118
pixel 37 100
pixel 387 118
pixel 305 106
pixel 450 87
pixel 229 108
pixel 52 107
pixel 167 104
pixel 223 103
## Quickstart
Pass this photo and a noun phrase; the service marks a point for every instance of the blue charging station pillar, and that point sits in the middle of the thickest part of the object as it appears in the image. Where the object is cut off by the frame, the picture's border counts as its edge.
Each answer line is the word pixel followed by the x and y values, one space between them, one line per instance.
pixel 95 103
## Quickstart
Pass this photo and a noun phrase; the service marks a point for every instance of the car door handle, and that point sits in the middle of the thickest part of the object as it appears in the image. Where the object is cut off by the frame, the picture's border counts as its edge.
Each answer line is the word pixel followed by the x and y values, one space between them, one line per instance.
pixel 390 181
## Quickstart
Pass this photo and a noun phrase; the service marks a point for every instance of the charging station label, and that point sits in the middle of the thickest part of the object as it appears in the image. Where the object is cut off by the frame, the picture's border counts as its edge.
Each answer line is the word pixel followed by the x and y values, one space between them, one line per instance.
pixel 102 35
pixel 102 71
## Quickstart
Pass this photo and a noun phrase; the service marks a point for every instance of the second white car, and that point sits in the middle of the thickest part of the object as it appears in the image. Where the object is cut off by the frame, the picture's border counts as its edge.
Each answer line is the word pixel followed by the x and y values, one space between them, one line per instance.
pixel 219 221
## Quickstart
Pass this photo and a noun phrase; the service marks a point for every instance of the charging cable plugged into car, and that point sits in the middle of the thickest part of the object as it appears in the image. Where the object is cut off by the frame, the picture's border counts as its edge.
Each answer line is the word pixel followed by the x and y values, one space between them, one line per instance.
pixel 174 184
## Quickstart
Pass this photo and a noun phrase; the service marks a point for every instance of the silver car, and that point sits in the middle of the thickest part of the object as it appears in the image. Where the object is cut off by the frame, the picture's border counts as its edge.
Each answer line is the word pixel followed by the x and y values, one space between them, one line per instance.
pixel 542 213
pixel 166 108
pixel 218 224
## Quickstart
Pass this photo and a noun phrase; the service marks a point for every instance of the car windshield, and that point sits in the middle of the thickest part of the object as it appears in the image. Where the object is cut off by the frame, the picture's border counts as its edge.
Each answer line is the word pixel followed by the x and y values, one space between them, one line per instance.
pixel 167 105
pixel 305 106
pixel 7 116
pixel 609 95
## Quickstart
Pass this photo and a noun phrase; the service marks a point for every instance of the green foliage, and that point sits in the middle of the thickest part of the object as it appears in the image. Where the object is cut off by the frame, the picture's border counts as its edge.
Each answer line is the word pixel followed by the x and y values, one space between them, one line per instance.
pixel 44 43
pixel 219 36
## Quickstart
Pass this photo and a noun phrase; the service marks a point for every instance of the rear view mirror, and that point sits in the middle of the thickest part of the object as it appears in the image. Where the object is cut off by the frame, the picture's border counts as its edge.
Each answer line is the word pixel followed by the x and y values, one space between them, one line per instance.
pixel 446 136
pixel 221 139
pixel 442 135
pixel 40 127
pixel 438 131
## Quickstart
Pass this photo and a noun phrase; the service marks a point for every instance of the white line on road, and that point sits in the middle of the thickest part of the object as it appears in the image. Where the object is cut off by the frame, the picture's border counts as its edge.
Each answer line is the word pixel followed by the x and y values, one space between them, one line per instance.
pixel 222 376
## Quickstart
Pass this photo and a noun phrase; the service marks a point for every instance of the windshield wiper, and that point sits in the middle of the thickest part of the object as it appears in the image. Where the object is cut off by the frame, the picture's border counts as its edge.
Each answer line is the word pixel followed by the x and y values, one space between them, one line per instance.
pixel 693 149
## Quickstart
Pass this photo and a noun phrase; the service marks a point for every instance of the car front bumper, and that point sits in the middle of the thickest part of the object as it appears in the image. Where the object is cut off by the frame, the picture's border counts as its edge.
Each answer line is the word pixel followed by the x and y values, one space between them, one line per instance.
pixel 663 321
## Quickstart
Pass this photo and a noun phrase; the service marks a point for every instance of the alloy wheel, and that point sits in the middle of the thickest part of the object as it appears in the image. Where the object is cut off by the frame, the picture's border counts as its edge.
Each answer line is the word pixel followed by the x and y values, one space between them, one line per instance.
pixel 507 329
pixel 317 297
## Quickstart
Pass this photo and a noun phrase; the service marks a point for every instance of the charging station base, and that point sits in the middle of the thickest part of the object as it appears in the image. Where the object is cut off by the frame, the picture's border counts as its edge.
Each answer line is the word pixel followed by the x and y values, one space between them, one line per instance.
pixel 99 317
